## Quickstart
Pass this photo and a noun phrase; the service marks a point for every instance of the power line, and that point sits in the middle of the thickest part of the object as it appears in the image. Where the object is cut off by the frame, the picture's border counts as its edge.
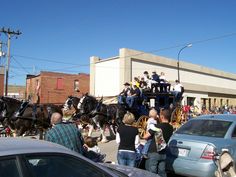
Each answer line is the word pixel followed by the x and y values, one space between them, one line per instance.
pixel 43 59
pixel 20 64
pixel 140 53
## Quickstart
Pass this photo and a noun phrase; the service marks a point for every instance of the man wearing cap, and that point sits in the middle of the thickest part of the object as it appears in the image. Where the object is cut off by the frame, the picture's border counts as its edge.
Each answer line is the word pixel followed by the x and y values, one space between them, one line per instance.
pixel 125 92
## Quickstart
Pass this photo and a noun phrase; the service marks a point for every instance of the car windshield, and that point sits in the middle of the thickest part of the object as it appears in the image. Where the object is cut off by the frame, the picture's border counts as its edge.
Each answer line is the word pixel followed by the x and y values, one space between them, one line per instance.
pixel 209 128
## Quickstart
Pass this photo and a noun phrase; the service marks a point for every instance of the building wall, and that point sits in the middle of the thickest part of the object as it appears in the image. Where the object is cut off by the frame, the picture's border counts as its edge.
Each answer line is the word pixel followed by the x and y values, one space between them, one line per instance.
pixel 1 80
pixel 107 78
pixel 190 77
pixel 48 86
pixel 202 83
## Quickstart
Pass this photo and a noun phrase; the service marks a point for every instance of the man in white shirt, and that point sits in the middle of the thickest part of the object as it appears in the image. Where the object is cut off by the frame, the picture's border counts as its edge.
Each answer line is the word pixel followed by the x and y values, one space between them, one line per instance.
pixel 177 89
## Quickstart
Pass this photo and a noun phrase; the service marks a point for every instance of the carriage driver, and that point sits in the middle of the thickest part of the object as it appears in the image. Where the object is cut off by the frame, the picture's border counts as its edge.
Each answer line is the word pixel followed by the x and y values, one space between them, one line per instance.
pixel 125 92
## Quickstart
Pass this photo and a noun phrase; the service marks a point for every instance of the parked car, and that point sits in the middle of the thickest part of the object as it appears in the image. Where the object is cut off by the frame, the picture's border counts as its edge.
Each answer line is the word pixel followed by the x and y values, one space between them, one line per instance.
pixel 192 148
pixel 21 157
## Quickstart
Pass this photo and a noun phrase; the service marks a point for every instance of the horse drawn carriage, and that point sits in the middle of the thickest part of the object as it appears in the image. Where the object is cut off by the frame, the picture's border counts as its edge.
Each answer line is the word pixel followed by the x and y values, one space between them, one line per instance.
pixel 23 116
pixel 90 111
pixel 159 101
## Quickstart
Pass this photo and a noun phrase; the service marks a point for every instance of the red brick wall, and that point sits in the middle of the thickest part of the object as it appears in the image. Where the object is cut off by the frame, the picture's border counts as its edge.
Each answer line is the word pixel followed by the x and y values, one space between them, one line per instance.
pixel 1 84
pixel 49 93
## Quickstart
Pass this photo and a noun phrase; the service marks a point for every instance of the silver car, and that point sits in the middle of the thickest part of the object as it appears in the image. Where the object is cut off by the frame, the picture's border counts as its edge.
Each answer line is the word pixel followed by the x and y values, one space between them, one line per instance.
pixel 192 148
pixel 21 157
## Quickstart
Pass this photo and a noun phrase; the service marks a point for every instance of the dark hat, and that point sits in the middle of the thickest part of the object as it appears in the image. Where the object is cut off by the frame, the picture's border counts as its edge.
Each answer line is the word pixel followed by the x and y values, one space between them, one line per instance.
pixel 145 72
pixel 126 83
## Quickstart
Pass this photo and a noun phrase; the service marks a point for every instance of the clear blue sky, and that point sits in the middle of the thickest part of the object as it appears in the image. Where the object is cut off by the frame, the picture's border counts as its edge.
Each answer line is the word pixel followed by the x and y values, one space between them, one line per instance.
pixel 71 31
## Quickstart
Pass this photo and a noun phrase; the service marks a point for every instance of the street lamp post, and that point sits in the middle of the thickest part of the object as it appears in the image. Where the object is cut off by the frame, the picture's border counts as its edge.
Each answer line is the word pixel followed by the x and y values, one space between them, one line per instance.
pixel 189 45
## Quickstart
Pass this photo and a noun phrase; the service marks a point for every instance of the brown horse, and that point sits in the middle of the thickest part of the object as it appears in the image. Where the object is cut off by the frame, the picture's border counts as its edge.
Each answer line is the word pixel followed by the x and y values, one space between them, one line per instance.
pixel 23 116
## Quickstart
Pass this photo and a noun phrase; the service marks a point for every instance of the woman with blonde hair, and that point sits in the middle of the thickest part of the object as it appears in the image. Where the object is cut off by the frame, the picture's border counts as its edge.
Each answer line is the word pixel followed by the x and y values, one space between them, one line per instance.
pixel 128 139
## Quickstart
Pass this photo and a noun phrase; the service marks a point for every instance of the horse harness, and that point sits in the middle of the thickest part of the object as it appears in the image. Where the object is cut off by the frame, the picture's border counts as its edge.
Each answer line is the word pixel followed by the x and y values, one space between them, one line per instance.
pixel 19 113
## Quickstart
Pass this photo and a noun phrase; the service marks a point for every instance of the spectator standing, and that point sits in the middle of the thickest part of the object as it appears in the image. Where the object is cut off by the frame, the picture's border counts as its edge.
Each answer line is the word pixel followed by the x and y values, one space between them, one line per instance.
pixel 151 124
pixel 156 159
pixel 65 134
pixel 128 139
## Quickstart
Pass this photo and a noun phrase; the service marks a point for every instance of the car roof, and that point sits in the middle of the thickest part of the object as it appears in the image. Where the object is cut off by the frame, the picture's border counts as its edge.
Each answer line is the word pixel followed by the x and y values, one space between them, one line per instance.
pixel 226 117
pixel 12 146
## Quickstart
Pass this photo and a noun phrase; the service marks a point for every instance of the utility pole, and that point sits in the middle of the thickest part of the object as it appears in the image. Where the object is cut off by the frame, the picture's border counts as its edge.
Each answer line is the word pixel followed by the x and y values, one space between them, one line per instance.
pixel 9 34
pixel 1 53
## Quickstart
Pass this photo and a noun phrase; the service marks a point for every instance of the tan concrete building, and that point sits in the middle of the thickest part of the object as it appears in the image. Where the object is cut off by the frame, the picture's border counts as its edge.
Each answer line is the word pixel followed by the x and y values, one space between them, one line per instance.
pixel 1 80
pixel 202 85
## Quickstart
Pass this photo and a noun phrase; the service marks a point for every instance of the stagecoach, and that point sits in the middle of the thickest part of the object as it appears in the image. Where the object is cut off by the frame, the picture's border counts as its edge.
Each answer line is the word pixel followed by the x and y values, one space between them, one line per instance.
pixel 159 101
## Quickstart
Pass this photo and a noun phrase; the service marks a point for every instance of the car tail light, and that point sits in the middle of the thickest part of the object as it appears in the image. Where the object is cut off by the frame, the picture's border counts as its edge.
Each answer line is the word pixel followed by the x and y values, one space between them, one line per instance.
pixel 209 152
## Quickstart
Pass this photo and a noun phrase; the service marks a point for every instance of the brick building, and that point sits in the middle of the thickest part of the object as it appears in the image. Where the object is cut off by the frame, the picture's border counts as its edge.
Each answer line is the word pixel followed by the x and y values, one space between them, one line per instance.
pixel 52 87
pixel 1 80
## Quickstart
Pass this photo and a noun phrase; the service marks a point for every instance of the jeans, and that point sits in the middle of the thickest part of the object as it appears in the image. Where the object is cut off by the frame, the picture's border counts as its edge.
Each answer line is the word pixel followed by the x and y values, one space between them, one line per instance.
pixel 156 163
pixel 121 99
pixel 130 101
pixel 126 158
pixel 146 147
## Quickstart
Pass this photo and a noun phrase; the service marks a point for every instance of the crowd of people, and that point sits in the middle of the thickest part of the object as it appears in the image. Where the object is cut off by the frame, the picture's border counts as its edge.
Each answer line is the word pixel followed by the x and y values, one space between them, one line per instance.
pixel 155 84
pixel 130 150
pixel 153 152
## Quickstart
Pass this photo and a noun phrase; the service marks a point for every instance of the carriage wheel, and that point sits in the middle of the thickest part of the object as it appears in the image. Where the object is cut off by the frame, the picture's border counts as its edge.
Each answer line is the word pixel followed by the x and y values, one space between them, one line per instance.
pixel 142 124
pixel 176 117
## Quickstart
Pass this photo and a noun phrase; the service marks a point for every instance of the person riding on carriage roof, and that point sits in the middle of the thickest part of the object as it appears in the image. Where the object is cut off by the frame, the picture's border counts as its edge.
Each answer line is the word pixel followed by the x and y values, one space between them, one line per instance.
pixel 125 92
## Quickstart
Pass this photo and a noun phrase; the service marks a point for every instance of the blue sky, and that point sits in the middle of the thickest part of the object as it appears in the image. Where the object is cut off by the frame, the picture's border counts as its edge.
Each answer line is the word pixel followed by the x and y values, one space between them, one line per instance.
pixel 70 31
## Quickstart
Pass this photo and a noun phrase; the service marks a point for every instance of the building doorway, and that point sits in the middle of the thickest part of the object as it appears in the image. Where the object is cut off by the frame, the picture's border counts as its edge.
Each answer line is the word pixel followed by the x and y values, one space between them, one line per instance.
pixel 190 101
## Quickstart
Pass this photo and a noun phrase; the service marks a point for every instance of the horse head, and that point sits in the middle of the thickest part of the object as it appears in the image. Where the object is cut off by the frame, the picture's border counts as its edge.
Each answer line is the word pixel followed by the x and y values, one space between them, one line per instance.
pixel 68 103
pixel 87 104
pixel 3 110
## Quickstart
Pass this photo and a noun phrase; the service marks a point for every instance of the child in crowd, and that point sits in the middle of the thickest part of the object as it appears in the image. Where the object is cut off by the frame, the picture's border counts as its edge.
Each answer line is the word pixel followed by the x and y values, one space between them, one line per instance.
pixel 92 145
pixel 152 121
pixel 93 151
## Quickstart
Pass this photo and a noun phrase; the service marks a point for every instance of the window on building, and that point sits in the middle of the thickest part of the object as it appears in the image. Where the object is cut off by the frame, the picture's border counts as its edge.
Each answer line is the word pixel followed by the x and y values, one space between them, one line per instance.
pixel 209 103
pixel 76 85
pixel 190 101
pixel 214 101
pixel 59 83
pixel 227 102
pixel 221 102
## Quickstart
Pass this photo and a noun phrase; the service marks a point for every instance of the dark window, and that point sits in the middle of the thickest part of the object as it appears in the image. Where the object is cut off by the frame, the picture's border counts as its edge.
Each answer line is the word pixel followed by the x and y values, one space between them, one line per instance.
pixel 210 128
pixel 62 166
pixel 221 102
pixel 234 133
pixel 59 83
pixel 214 101
pixel 8 168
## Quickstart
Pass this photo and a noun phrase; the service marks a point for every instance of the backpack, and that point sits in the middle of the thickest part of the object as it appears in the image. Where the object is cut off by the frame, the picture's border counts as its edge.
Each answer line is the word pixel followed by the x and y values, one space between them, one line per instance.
pixel 182 89
pixel 159 139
